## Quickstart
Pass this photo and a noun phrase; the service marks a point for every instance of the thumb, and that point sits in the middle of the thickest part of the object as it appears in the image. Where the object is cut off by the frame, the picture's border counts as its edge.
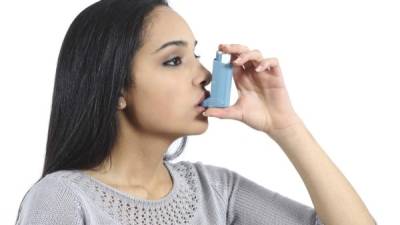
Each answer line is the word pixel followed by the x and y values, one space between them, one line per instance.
pixel 224 113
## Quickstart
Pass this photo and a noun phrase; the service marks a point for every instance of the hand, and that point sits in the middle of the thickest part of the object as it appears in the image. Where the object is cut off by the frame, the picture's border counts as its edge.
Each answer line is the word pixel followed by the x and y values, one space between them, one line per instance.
pixel 263 101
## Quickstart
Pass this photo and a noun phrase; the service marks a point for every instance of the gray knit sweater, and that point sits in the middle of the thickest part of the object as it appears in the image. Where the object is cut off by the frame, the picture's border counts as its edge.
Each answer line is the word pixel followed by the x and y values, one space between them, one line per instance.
pixel 201 194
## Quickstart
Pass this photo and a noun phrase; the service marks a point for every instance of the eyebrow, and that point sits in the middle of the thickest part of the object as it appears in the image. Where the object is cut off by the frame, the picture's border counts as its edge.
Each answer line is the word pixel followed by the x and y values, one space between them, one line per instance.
pixel 176 43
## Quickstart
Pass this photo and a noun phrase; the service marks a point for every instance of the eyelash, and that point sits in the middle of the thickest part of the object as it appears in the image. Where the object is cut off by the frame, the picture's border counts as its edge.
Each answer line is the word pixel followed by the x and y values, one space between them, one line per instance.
pixel 180 59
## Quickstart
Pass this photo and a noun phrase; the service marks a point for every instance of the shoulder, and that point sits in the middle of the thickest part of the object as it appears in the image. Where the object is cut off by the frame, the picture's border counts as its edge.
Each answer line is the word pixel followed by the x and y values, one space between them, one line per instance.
pixel 213 173
pixel 228 182
pixel 51 200
pixel 219 178
pixel 52 185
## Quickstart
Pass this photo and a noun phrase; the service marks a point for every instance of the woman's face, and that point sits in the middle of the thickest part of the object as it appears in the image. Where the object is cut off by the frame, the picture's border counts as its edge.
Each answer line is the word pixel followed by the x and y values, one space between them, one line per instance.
pixel 169 81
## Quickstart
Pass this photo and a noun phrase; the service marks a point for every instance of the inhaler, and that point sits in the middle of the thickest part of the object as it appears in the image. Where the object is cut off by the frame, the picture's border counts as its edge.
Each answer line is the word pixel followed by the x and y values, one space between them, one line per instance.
pixel 221 82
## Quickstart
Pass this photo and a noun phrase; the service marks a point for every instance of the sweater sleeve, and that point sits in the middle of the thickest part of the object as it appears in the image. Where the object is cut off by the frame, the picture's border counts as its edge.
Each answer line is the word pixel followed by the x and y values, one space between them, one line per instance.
pixel 250 203
pixel 50 202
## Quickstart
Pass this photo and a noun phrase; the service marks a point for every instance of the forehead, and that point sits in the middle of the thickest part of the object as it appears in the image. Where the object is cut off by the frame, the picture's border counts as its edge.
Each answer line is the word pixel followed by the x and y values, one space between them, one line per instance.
pixel 165 25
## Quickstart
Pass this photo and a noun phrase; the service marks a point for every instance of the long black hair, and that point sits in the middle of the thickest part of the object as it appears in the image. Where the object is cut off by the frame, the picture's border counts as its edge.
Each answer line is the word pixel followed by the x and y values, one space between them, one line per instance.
pixel 93 66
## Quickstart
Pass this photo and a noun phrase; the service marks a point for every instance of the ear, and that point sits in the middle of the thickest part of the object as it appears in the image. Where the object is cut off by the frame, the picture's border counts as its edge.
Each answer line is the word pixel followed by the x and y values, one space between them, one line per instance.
pixel 122 99
pixel 121 102
pixel 123 93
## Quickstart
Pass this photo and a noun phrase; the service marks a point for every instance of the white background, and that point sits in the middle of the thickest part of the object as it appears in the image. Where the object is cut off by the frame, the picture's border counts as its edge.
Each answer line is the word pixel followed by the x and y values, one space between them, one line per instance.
pixel 340 62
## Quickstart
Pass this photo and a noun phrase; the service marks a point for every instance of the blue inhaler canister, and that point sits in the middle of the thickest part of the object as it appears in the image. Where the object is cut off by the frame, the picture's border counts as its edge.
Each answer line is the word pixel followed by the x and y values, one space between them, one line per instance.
pixel 221 82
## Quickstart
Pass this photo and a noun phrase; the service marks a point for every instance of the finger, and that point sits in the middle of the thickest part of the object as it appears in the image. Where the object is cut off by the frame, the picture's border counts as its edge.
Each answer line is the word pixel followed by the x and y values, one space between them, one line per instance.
pixel 267 64
pixel 254 55
pixel 233 48
pixel 224 113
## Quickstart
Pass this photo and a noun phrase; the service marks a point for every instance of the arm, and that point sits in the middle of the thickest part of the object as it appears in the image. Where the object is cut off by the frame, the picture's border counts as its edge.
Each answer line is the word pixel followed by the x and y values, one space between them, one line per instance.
pixel 333 197
pixel 249 203
pixel 264 105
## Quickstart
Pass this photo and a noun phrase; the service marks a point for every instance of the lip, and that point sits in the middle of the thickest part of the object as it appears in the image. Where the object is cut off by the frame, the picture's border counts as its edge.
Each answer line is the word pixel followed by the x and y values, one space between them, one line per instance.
pixel 200 108
pixel 204 96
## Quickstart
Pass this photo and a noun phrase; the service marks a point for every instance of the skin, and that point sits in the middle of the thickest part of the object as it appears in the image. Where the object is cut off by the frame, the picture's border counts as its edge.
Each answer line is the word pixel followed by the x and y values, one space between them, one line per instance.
pixel 158 110
pixel 263 104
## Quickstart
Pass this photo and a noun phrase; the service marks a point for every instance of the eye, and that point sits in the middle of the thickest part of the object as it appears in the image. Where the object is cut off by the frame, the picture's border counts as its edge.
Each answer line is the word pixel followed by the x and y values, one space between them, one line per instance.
pixel 176 61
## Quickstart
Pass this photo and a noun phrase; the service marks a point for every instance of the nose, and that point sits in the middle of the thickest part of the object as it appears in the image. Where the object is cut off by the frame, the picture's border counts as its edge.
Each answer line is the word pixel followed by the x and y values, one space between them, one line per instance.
pixel 205 76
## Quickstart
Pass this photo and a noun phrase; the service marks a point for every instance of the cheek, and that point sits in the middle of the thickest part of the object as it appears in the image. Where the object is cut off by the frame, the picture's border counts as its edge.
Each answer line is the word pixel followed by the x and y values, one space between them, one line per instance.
pixel 172 105
pixel 168 105
pixel 162 102
pixel 161 109
pixel 171 99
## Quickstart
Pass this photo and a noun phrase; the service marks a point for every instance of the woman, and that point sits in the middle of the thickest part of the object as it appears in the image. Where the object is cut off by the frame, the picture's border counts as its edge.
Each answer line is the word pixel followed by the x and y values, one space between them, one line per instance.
pixel 127 86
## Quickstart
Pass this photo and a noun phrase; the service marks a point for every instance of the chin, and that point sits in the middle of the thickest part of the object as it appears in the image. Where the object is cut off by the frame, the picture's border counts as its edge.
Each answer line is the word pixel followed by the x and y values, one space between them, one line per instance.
pixel 198 126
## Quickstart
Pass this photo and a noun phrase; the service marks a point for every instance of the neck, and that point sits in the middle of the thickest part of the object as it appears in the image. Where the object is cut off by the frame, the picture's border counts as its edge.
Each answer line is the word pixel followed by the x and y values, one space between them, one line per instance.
pixel 137 159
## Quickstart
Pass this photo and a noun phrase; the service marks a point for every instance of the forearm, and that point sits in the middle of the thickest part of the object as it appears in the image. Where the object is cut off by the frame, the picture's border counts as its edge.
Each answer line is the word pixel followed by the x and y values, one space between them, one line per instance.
pixel 333 197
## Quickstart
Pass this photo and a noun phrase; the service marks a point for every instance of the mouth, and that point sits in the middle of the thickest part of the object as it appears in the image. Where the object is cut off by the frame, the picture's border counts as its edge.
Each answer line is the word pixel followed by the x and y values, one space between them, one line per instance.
pixel 205 95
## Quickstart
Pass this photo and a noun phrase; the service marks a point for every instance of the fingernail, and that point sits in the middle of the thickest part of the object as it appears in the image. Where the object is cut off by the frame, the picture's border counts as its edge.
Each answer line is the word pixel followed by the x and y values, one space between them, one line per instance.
pixel 258 69
pixel 204 114
pixel 237 60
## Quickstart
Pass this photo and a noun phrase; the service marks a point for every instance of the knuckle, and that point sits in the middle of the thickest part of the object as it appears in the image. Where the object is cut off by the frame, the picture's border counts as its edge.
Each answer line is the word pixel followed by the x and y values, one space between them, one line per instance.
pixel 244 48
pixel 264 62
pixel 257 51
pixel 245 54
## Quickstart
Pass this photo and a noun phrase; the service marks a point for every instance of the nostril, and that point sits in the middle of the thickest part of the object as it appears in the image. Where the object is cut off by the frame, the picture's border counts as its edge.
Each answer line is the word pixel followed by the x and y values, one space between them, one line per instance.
pixel 207 81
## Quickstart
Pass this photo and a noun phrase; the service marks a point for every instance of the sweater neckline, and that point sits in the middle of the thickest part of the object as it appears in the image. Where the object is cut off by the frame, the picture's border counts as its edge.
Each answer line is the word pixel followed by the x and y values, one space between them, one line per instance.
pixel 171 194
